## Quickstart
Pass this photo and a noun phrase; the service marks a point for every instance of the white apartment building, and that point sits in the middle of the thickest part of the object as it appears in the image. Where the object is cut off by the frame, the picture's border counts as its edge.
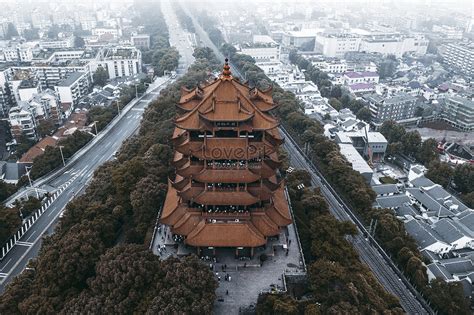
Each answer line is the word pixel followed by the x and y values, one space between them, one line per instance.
pixel 334 67
pixel 49 75
pixel 27 88
pixel 299 38
pixel 22 121
pixel 114 32
pixel 141 41
pixel 88 24
pixel 19 53
pixel 45 105
pixel 460 56
pixel 396 45
pixel 71 89
pixel 262 53
pixel 361 77
pixel 121 61
pixel 448 32
pixel 58 44
pixel 336 45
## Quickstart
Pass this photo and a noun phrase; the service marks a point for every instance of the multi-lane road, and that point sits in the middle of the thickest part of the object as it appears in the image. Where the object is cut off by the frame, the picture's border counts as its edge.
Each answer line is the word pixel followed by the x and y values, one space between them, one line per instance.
pixel 179 38
pixel 78 171
pixel 390 279
pixel 74 177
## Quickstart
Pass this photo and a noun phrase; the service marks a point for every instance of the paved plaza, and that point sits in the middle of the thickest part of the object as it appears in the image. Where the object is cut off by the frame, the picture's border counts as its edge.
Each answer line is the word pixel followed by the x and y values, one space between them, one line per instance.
pixel 247 277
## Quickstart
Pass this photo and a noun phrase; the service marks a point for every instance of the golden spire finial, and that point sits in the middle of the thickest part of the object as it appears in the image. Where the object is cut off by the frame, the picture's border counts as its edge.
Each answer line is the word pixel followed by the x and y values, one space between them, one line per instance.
pixel 226 73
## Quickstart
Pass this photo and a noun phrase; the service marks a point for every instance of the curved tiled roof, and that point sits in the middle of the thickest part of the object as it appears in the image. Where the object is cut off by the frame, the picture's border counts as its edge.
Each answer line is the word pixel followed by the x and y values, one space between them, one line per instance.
pixel 247 214
pixel 225 235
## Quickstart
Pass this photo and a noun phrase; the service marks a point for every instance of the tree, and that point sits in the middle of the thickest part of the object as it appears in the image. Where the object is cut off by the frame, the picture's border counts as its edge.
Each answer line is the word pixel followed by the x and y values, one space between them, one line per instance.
pixel 449 297
pixel 308 46
pixel 29 206
pixel 419 111
pixel 336 91
pixel 128 277
pixel 411 143
pixel 10 221
pixel 31 34
pixel 228 50
pixel 427 152
pixel 46 127
pixel 364 114
pixel 100 76
pixel 24 144
pixel 334 102
pixel 468 199
pixel 440 173
pixel 392 131
pixel 53 31
pixel 215 35
pixel 11 31
pixel 387 67
pixel 463 178
pixel 79 42
pixel 6 190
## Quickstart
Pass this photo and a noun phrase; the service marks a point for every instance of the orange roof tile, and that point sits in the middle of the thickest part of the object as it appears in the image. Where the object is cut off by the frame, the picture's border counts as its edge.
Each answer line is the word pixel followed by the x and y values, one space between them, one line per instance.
pixel 225 235
pixel 38 149
pixel 216 105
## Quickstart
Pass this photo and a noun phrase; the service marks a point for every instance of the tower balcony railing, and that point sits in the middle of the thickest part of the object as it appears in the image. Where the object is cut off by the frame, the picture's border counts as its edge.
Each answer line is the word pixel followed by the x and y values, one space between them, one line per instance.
pixel 226 215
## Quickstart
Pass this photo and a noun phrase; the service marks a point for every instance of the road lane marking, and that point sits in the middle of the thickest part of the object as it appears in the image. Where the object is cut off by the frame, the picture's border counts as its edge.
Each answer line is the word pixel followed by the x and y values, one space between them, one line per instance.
pixel 9 260
pixel 32 233
pixel 24 244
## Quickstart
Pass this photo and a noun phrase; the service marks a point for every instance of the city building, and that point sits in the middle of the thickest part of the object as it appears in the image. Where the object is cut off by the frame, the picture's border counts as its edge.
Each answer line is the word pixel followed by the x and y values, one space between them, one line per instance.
pixel 461 56
pixel 22 121
pixel 58 44
pixel 46 106
pixel 262 52
pixel 351 78
pixel 18 53
pixel 119 61
pixel 397 45
pixel 332 66
pixel 114 33
pixel 459 112
pixel 141 41
pixel 299 39
pixel 27 89
pixel 448 32
pixel 356 160
pixel 71 89
pixel 336 45
pixel 226 192
pixel 399 107
pixel 370 144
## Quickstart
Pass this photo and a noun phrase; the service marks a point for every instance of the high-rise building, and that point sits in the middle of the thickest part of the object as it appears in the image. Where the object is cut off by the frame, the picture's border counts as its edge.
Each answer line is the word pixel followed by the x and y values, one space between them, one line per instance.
pixel 226 192
pixel 460 56
pixel 459 112
pixel 398 107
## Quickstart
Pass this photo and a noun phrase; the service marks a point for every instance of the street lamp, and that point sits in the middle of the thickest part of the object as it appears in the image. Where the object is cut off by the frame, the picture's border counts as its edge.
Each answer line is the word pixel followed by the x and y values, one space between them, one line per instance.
pixel 118 107
pixel 95 125
pixel 28 168
pixel 62 155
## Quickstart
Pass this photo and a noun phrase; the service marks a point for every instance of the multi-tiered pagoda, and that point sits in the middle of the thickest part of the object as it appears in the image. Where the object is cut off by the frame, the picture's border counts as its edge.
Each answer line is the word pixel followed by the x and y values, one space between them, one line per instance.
pixel 226 192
